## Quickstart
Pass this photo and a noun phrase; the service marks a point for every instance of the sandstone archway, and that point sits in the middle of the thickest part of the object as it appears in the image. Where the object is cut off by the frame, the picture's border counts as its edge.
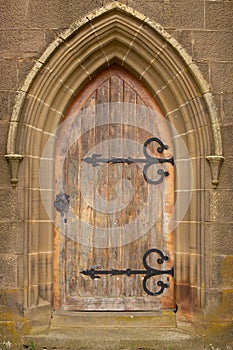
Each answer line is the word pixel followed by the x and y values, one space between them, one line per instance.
pixel 113 34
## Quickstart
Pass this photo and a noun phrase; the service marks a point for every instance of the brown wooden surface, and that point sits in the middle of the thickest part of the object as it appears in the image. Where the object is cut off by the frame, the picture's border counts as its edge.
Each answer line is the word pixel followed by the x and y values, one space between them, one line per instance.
pixel 74 291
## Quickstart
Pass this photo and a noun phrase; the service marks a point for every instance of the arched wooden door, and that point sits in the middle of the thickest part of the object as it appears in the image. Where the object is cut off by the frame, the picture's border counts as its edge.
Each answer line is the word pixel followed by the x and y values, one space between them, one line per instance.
pixel 111 210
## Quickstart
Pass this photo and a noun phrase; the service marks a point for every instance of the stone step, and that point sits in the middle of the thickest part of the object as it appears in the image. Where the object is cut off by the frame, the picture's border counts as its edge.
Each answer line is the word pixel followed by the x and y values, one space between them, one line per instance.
pixel 114 339
pixel 113 319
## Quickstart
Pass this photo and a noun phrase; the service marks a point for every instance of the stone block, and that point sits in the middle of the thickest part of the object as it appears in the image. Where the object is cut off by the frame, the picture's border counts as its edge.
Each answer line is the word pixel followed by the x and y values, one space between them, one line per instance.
pixel 8 74
pixel 35 206
pixel 40 236
pixel 222 76
pixel 195 233
pixel 21 42
pixel 226 178
pixel 5 173
pixel 212 45
pixel 45 236
pixel 218 316
pixel 194 270
pixel 32 167
pixel 227 107
pixel 24 67
pixel 33 295
pixel 204 69
pixel 21 270
pixel 33 263
pixel 184 38
pixel 226 307
pixel 58 14
pixel 39 317
pixel 221 272
pixel 218 207
pixel 6 99
pixel 51 35
pixel 227 132
pixel 172 14
pixel 220 235
pixel 218 15
pixel 46 292
pixel 196 207
pixel 3 139
pixel 215 280
pixel 219 335
pixel 4 104
pixel 187 206
pixel 182 269
pixel 177 122
pixel 182 238
pixel 184 183
pixel 212 304
pixel 45 267
pixel 11 238
pixel 11 332
pixel 11 302
pixel 13 13
pixel 33 236
pixel 11 204
pixel 8 271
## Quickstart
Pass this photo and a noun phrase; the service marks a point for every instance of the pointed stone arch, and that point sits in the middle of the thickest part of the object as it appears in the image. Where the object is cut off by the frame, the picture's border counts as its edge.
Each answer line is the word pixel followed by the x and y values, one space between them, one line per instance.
pixel 113 34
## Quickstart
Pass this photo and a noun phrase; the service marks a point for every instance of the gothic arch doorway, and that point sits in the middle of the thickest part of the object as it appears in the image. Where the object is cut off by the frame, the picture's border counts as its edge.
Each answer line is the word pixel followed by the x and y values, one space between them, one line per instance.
pixel 113 34
pixel 112 241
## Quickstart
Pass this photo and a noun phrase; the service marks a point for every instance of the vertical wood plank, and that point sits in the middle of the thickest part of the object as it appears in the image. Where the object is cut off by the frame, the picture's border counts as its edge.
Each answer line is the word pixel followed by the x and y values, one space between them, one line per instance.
pixel 102 219
pixel 115 150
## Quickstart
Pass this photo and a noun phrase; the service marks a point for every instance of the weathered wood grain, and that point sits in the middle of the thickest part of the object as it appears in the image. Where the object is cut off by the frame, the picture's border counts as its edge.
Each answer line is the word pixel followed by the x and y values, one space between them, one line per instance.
pixel 111 182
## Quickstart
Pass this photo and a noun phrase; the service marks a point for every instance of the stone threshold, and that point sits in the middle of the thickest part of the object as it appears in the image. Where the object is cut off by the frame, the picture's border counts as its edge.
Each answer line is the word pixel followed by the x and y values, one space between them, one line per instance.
pixel 112 319
pixel 115 338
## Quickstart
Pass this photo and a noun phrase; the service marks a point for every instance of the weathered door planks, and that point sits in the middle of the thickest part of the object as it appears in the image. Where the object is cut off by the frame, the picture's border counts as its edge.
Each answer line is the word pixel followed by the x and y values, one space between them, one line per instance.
pixel 74 291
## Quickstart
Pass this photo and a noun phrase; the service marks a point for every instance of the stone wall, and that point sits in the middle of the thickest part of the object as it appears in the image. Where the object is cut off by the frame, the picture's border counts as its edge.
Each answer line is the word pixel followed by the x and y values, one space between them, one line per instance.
pixel 204 28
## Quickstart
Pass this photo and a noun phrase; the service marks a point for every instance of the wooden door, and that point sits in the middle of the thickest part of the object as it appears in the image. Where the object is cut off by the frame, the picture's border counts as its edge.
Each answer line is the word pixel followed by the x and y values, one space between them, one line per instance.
pixel 109 214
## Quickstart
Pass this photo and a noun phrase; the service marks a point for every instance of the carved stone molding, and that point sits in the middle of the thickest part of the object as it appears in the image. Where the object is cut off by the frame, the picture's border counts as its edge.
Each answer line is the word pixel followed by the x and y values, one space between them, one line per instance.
pixel 215 163
pixel 125 37
pixel 13 161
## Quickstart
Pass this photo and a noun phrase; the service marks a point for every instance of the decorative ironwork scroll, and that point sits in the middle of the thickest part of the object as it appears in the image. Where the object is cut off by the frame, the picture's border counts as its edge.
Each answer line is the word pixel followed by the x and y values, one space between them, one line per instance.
pixel 96 159
pixel 149 272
